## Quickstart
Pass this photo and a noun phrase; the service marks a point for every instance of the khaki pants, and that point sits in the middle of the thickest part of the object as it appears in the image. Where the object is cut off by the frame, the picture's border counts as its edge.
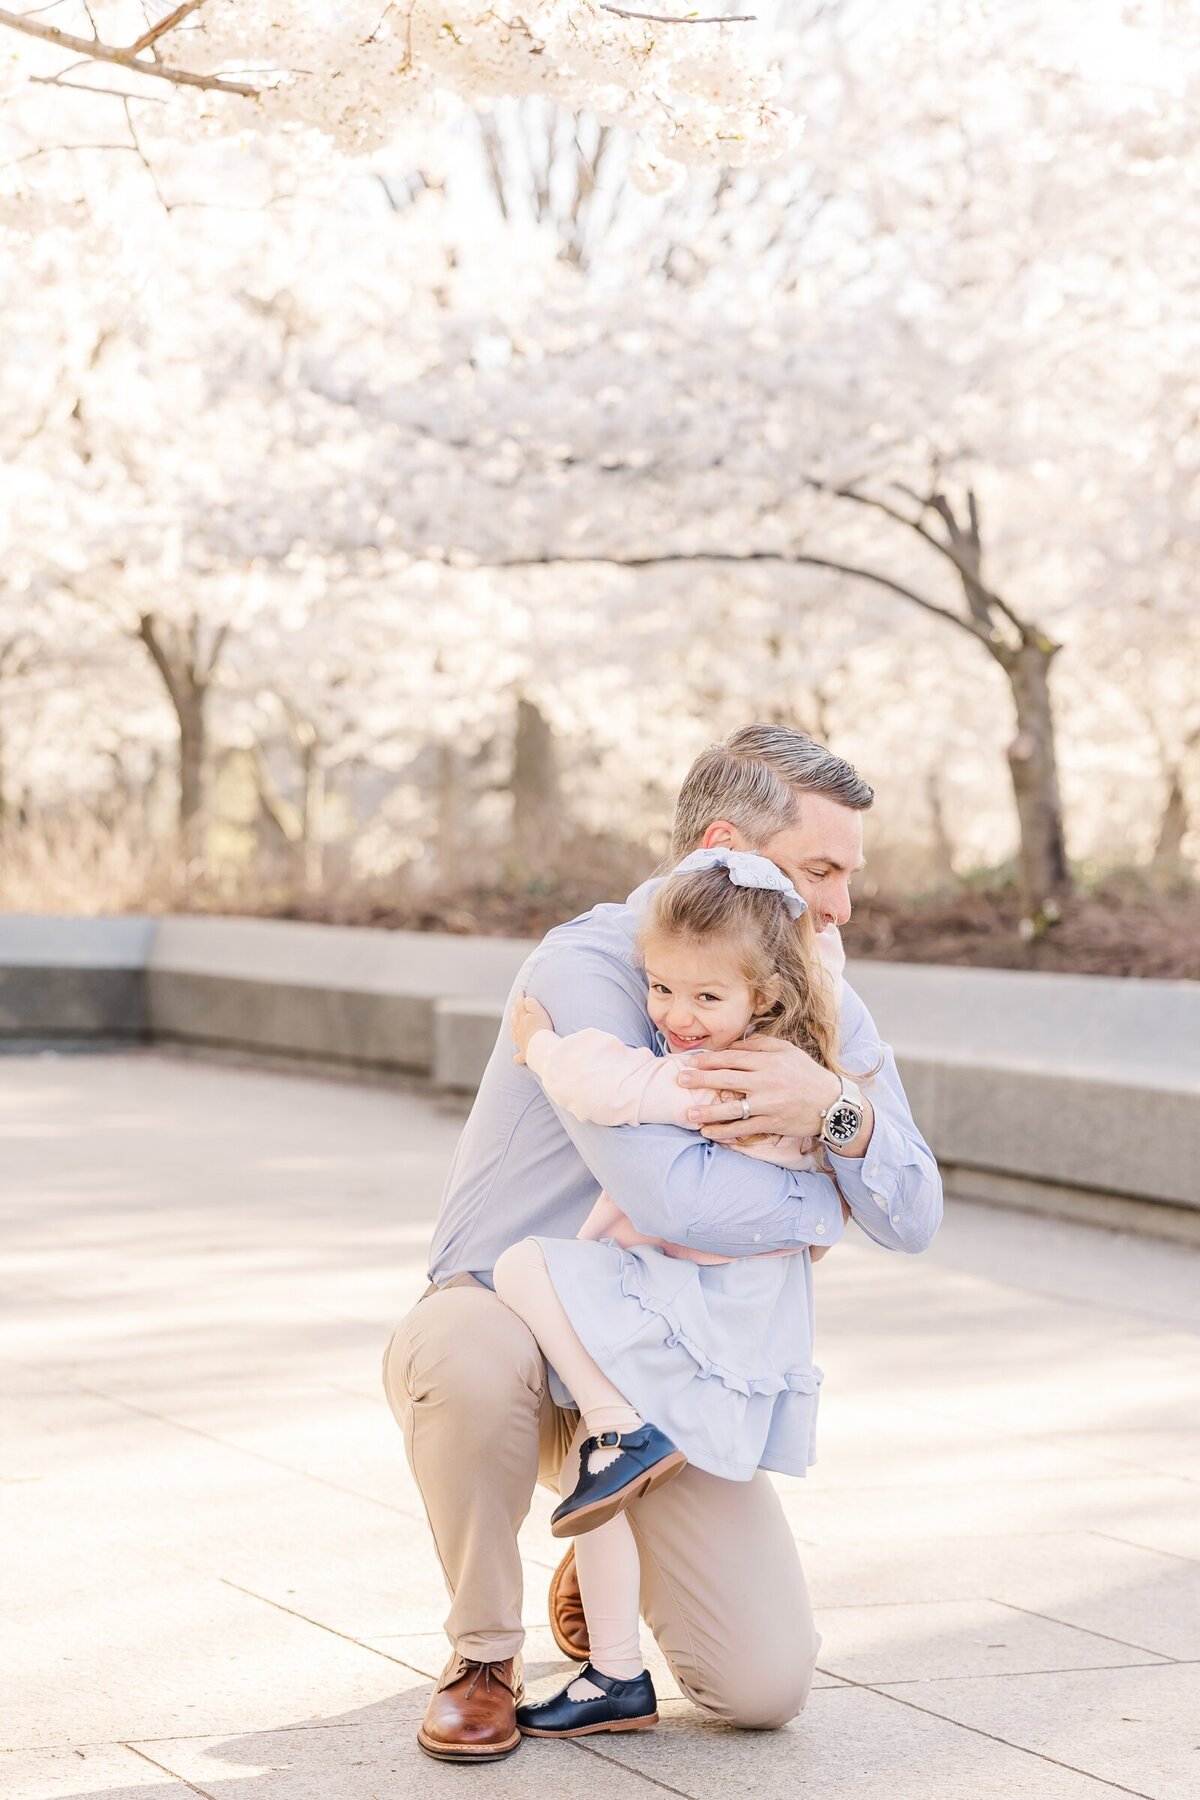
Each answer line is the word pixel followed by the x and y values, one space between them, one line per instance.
pixel 722 1586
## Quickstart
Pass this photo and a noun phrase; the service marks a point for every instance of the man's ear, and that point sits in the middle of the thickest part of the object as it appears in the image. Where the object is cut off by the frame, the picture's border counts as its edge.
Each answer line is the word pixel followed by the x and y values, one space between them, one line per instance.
pixel 722 834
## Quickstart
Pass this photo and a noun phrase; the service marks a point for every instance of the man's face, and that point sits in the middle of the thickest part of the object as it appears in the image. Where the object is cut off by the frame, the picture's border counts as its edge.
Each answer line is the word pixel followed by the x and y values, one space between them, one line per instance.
pixel 819 853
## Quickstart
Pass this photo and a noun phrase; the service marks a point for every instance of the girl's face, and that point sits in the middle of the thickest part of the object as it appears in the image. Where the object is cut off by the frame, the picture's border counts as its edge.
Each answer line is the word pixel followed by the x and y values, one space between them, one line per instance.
pixel 696 993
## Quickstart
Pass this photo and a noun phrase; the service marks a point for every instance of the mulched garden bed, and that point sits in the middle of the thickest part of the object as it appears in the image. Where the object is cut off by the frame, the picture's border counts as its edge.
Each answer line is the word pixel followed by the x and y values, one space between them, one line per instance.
pixel 1120 929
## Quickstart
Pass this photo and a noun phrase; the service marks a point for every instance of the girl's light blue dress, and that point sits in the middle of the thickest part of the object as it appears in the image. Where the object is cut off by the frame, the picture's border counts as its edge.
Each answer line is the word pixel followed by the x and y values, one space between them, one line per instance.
pixel 717 1355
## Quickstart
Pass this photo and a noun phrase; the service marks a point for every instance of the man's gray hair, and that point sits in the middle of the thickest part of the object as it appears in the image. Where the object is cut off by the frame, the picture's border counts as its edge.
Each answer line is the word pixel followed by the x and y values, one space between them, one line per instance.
pixel 755 779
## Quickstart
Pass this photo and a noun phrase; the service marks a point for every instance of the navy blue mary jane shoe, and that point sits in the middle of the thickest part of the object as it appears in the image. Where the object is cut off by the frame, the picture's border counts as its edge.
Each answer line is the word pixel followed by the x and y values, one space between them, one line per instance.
pixel 645 1459
pixel 619 1706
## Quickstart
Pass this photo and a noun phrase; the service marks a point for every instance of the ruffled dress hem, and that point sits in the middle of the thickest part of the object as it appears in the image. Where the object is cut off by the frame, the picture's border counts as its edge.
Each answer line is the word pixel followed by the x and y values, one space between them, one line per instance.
pixel 662 1330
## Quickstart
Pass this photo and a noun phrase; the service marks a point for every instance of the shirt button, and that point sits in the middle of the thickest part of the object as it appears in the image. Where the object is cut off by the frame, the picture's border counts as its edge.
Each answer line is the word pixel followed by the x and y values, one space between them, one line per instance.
pixel 820 1227
pixel 758 1237
pixel 879 1201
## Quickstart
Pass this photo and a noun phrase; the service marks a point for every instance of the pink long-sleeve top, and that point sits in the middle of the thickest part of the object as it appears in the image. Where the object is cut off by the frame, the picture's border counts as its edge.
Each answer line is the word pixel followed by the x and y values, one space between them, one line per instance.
pixel 596 1077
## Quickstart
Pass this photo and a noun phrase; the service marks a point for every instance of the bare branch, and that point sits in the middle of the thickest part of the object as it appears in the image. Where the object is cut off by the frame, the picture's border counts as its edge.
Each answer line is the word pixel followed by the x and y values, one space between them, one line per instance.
pixel 214 655
pixel 57 150
pixel 788 559
pixel 136 146
pixel 624 12
pixel 148 632
pixel 124 59
pixel 964 563
pixel 164 25
pixel 88 87
pixel 280 812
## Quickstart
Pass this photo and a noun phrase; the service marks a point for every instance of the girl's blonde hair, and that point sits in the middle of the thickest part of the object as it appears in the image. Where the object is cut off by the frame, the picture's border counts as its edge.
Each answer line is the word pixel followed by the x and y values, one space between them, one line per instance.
pixel 778 954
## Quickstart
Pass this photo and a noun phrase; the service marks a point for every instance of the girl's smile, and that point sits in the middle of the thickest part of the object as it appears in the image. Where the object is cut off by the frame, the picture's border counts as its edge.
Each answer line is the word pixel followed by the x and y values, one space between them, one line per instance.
pixel 696 994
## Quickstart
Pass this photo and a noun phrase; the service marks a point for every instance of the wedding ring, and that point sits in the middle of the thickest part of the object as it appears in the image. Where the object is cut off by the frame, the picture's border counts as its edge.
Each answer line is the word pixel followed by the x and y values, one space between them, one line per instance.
pixel 745 1106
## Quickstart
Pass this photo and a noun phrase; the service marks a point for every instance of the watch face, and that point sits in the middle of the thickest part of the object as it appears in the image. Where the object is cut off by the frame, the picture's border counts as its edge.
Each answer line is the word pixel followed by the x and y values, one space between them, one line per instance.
pixel 843 1122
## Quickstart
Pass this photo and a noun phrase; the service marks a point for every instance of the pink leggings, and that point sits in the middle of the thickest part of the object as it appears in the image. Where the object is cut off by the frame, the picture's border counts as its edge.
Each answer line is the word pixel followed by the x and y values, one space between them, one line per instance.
pixel 606 1559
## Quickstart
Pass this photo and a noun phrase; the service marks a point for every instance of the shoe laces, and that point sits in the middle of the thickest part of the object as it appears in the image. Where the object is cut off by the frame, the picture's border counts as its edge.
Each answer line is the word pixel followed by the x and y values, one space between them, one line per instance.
pixel 484 1669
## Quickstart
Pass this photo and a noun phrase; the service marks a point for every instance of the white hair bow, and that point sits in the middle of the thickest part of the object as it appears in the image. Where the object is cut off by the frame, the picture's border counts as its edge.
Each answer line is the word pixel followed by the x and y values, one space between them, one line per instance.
pixel 747 869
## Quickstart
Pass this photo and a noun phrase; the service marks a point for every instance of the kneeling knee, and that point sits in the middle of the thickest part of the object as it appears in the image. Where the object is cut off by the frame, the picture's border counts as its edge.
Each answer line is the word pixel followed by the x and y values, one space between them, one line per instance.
pixel 758 1717
pixel 769 1704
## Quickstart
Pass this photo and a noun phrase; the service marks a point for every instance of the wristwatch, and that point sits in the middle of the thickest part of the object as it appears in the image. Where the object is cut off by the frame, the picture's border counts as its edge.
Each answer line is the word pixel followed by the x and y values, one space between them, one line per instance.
pixel 841 1122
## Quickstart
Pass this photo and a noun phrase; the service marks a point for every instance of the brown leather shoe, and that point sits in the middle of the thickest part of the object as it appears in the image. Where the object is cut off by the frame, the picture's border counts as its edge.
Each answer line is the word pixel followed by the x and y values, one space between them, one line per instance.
pixel 471 1716
pixel 567 1621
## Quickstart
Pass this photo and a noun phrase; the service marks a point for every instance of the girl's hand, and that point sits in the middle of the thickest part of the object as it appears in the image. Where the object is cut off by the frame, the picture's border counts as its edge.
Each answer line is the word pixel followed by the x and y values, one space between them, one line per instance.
pixel 527 1017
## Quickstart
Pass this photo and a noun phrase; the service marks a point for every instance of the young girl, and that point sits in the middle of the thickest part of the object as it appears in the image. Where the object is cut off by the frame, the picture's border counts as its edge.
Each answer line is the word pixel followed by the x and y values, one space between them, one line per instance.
pixel 672 1354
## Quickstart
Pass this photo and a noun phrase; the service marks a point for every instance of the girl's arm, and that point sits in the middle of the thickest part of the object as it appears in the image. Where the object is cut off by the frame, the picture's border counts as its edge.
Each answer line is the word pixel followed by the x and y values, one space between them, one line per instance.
pixel 596 1077
pixel 593 1075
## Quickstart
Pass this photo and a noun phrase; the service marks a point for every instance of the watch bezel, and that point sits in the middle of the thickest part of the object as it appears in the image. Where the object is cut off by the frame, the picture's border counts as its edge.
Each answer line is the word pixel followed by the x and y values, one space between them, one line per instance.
pixel 835 1135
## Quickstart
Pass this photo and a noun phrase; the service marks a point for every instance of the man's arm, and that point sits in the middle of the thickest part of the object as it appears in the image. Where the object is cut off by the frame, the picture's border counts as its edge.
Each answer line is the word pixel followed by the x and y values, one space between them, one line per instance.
pixel 894 1190
pixel 673 1183
pixel 892 1185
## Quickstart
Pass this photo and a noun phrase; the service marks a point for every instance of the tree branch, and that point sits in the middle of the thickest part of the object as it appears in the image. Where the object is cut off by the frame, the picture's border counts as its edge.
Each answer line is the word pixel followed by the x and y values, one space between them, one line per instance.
pixel 786 558
pixel 280 812
pixel 164 25
pixel 214 655
pixel 624 12
pixel 136 146
pixel 89 87
pixel 148 632
pixel 95 51
pixel 57 150
pixel 950 551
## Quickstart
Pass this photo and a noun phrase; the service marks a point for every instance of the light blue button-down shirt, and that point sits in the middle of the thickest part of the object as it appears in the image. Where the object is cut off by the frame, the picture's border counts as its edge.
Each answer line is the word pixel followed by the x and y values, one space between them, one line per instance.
pixel 523 1167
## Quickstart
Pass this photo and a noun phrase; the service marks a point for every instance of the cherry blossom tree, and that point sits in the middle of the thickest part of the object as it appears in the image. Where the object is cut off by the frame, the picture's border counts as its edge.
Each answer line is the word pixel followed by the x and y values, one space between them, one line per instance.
pixel 356 464
pixel 971 349
pixel 694 85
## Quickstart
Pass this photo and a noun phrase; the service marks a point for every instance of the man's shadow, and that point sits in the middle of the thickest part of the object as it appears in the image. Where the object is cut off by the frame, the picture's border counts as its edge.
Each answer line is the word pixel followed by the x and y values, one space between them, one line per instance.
pixel 364 1754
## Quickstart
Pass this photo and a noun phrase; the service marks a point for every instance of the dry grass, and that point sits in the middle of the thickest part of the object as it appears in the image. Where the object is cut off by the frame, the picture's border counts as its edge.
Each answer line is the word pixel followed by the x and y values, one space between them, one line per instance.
pixel 78 863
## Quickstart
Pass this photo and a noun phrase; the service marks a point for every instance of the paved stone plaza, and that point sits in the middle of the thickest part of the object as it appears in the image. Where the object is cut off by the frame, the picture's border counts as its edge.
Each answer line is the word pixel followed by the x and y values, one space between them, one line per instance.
pixel 217 1577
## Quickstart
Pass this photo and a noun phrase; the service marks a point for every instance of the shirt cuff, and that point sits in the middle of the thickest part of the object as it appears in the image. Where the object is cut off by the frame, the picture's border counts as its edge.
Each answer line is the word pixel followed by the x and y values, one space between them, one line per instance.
pixel 540 1047
pixel 870 1178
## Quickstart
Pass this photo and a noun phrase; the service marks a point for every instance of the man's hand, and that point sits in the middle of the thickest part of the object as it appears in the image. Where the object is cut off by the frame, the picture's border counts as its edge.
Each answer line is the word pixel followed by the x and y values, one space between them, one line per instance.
pixel 527 1017
pixel 787 1089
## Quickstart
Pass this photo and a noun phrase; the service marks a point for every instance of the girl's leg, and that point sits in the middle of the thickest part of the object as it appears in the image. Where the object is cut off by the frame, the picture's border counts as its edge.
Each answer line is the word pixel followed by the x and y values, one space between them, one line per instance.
pixel 628 1457
pixel 610 1582
pixel 523 1283
pixel 609 1570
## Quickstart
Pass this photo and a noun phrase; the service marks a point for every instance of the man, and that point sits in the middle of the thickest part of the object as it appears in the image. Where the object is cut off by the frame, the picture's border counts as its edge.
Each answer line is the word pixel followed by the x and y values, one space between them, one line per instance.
pixel 722 1586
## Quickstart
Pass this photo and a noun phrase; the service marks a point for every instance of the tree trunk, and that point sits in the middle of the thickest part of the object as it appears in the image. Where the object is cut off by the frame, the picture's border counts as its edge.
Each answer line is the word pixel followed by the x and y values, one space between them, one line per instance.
pixel 537 800
pixel 1043 875
pixel 312 815
pixel 187 675
pixel 942 860
pixel 1169 859
pixel 448 840
pixel 193 733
